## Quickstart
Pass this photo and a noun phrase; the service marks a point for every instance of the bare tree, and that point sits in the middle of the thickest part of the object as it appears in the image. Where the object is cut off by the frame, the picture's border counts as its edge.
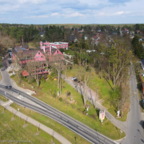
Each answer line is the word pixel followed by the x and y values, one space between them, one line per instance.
pixel 114 60
pixel 57 62
pixel 36 70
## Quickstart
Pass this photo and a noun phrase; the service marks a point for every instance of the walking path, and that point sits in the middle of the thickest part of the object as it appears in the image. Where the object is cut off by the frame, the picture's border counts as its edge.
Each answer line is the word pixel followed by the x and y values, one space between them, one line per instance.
pixel 135 133
pixel 48 130
pixel 88 93
pixel 93 98
pixel 29 92
pixel 6 103
pixel 142 115
pixel 13 83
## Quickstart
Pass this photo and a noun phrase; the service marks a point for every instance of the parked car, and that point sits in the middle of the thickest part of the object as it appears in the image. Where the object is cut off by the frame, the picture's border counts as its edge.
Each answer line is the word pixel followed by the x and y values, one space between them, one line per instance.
pixel 142 103
pixel 8 87
pixel 142 124
pixel 74 79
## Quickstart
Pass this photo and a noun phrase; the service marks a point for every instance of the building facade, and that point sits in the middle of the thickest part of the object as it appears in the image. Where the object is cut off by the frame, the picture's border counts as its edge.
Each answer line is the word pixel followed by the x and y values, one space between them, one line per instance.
pixel 46 46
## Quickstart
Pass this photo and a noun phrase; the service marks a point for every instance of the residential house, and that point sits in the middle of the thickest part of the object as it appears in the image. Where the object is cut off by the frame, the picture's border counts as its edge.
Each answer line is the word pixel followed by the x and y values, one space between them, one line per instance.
pixel 32 61
pixel 96 39
pixel 30 55
pixel 85 38
pixel 73 38
pixel 54 54
pixel 90 51
pixel 38 58
pixel 48 45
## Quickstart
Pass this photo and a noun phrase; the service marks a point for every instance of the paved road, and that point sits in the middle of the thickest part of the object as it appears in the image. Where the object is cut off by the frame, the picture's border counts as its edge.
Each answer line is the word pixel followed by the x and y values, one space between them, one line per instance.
pixel 92 97
pixel 135 133
pixel 5 78
pixel 48 130
pixel 133 128
pixel 76 126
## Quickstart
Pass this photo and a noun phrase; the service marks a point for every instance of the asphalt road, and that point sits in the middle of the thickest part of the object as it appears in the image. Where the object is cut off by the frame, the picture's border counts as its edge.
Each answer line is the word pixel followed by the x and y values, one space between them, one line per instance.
pixel 76 126
pixel 5 77
pixel 43 108
pixel 135 132
pixel 92 97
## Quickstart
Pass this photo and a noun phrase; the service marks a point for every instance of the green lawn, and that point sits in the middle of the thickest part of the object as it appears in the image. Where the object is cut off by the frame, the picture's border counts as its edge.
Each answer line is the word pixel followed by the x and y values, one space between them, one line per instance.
pixel 99 85
pixel 73 106
pixel 3 98
pixel 96 83
pixel 52 124
pixel 15 130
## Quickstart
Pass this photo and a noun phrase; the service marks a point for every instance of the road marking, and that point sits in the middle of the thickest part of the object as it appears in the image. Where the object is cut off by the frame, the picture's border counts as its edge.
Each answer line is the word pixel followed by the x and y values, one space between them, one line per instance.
pixel 20 97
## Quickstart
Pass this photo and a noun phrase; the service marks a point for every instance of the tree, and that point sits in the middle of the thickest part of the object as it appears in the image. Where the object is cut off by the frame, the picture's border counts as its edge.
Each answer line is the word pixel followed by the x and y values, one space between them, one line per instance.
pixel 33 70
pixel 137 47
pixel 54 33
pixel 7 42
pixel 116 97
pixel 57 62
pixel 115 61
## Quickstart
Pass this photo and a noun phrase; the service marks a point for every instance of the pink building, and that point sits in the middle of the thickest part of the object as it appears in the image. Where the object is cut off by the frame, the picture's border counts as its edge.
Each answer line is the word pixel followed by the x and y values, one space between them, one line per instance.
pixel 31 55
pixel 47 46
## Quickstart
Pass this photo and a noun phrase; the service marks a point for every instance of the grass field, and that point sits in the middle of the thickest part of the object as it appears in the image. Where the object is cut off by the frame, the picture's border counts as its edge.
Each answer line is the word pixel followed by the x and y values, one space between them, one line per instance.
pixel 99 85
pixel 3 98
pixel 72 106
pixel 15 130
pixel 52 124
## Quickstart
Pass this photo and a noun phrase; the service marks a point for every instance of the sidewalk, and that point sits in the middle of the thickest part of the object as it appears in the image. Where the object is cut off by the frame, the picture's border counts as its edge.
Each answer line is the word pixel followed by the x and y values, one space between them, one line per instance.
pixel 142 115
pixel 6 103
pixel 29 92
pixel 93 98
pixel 48 130
pixel 13 83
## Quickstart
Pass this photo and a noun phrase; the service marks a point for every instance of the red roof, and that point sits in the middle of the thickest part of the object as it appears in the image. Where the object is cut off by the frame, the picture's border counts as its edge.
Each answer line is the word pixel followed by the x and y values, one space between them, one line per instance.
pixel 25 73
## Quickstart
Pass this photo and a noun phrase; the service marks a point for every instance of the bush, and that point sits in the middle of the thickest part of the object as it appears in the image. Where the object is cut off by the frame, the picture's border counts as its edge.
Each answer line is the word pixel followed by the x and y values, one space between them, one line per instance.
pixel 60 99
pixel 115 97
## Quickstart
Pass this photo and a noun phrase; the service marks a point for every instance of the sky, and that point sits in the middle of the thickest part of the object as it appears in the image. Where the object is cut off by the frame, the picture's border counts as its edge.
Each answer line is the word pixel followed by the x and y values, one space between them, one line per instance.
pixel 72 11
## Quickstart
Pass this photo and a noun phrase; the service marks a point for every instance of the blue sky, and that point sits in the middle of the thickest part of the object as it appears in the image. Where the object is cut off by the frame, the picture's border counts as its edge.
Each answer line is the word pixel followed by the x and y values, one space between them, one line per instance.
pixel 72 11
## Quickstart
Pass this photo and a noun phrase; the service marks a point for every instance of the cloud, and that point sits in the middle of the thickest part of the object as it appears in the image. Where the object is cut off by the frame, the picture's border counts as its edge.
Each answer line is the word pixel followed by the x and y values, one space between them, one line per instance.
pixel 56 14
pixel 119 13
pixel 116 13
pixel 130 8
pixel 31 1
pixel 8 8
pixel 72 10
pixel 94 2
pixel 76 14
pixel 37 16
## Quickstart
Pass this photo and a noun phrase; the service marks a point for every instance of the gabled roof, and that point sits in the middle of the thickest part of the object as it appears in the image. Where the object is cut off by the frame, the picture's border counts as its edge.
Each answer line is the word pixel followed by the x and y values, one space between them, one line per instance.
pixel 55 51
pixel 28 54
pixel 24 73
pixel 20 48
